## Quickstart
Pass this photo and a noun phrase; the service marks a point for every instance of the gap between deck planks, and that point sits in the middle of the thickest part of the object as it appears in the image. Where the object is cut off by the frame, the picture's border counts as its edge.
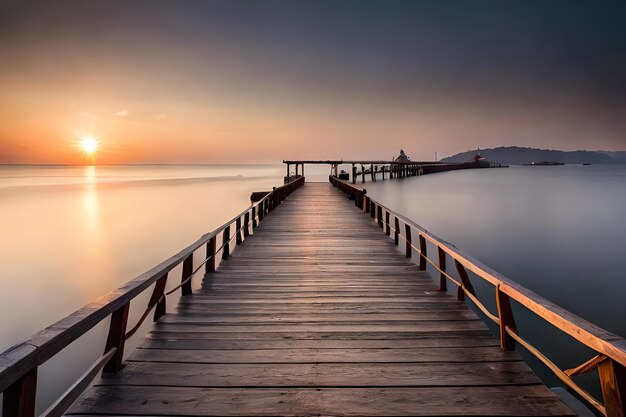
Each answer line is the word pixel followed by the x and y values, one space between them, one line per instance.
pixel 317 313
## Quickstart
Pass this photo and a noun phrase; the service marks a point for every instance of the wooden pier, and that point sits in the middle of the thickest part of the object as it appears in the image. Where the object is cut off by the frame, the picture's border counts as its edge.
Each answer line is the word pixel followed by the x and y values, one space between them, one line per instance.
pixel 379 168
pixel 313 310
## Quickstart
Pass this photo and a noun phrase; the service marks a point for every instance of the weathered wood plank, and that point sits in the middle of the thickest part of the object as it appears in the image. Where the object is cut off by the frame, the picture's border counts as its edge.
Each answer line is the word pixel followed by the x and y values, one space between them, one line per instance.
pixel 323 375
pixel 442 354
pixel 193 341
pixel 382 334
pixel 199 317
pixel 311 328
pixel 441 401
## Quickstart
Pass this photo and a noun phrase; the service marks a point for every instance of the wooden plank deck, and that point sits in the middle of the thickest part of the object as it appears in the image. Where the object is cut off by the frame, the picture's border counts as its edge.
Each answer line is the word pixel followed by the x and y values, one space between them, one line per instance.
pixel 317 313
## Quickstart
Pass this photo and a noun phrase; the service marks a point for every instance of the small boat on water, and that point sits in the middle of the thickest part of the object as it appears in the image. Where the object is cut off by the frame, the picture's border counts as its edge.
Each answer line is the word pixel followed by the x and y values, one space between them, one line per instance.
pixel 544 163
pixel 586 163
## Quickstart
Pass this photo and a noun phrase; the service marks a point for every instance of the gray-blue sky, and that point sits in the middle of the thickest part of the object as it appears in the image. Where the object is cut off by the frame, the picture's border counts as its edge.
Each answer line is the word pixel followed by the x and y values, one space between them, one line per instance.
pixel 370 76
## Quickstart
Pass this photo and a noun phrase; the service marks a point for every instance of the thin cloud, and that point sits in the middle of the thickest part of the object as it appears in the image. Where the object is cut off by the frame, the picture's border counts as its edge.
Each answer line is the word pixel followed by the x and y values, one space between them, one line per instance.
pixel 123 113
pixel 160 116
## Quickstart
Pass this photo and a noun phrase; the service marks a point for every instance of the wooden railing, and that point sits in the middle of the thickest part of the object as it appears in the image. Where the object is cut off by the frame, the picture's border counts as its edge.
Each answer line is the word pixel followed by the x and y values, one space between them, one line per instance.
pixel 19 364
pixel 610 360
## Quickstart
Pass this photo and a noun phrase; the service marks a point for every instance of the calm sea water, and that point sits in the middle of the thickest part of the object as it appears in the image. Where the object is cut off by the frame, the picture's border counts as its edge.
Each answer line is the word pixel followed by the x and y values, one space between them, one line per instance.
pixel 70 234
pixel 559 231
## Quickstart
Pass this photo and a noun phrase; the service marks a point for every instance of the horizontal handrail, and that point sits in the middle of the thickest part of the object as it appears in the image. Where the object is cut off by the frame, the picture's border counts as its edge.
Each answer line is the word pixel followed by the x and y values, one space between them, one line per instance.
pixel 609 345
pixel 21 360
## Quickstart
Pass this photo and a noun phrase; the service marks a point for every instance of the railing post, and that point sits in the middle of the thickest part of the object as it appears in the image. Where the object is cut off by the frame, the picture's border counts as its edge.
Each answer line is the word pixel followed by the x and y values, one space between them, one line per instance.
pixel 424 252
pixel 379 215
pixel 443 284
pixel 246 220
pixel 187 271
pixel 613 382
pixel 407 235
pixel 372 209
pixel 19 398
pixel 261 210
pixel 226 242
pixel 117 338
pixel 209 266
pixel 238 227
pixel 396 236
pixel 367 204
pixel 159 298
pixel 467 284
pixel 505 313
pixel 388 231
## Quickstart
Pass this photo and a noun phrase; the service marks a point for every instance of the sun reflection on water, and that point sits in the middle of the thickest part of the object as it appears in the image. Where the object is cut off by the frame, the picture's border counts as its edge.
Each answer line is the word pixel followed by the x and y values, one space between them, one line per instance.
pixel 90 200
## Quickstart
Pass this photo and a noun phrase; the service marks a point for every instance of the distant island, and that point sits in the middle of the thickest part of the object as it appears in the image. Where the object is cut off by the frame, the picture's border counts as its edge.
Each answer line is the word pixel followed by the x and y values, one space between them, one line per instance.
pixel 514 155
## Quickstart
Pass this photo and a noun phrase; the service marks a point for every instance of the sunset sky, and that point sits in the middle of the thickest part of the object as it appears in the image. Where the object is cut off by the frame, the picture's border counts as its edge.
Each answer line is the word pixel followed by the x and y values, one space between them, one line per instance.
pixel 259 81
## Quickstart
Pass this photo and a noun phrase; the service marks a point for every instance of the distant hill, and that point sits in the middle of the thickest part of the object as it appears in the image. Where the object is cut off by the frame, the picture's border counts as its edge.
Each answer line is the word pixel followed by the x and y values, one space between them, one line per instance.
pixel 514 155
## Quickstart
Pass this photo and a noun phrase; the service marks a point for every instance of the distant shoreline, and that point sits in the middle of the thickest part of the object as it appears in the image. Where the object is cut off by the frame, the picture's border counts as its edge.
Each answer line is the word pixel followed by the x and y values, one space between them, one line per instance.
pixel 514 155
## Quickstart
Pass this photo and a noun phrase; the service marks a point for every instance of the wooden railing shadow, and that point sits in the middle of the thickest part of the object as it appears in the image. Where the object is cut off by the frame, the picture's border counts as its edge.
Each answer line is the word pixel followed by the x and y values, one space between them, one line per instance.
pixel 610 360
pixel 19 364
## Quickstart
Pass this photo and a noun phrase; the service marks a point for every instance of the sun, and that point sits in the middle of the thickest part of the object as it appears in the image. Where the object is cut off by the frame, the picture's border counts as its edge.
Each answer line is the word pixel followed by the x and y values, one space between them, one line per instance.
pixel 89 145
